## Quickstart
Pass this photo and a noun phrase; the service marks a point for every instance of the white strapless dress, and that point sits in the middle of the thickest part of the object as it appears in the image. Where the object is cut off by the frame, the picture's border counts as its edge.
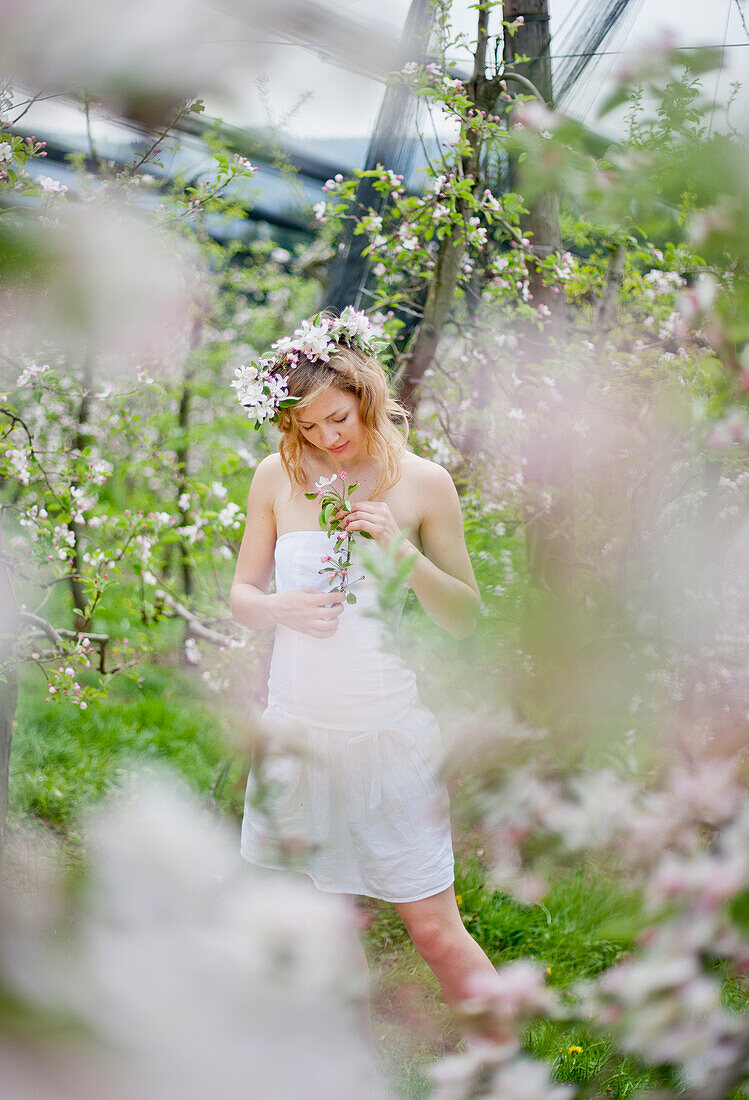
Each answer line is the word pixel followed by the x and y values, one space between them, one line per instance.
pixel 359 809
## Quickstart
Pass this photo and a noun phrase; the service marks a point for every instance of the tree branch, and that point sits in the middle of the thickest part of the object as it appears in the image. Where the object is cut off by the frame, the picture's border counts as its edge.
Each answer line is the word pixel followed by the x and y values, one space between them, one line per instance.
pixel 196 626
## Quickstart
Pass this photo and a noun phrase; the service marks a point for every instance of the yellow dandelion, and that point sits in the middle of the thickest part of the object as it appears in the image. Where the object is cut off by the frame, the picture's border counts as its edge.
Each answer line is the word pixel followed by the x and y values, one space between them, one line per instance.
pixel 459 899
pixel 548 970
pixel 574 1050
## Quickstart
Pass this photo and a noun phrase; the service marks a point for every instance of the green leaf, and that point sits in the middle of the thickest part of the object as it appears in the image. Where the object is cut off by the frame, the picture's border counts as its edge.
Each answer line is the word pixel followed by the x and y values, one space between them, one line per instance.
pixel 311 496
pixel 322 521
pixel 351 598
pixel 739 910
pixel 346 505
pixel 365 534
pixel 621 95
pixel 621 929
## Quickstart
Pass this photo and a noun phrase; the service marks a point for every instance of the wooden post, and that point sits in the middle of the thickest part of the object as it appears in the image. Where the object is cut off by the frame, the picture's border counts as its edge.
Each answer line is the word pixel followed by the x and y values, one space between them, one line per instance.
pixel 533 39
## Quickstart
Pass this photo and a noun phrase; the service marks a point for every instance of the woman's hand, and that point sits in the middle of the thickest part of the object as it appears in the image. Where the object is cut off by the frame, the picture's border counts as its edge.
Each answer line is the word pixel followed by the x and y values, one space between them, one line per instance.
pixel 309 610
pixel 374 518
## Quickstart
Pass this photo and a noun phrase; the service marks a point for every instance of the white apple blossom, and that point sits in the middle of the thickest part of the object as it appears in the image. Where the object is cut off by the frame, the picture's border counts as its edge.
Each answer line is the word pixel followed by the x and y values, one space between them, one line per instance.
pixel 515 990
pixel 263 409
pixel 50 186
pixel 355 323
pixel 249 384
pixel 528 1079
pixel 18 461
pixel 6 152
pixel 312 340
pixel 278 386
pixel 409 242
pixel 230 516
pixel 32 373
pixel 262 386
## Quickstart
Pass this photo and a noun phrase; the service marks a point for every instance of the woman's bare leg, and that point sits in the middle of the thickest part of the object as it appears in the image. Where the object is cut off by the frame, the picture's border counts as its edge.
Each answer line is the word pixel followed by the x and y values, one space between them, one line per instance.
pixel 437 932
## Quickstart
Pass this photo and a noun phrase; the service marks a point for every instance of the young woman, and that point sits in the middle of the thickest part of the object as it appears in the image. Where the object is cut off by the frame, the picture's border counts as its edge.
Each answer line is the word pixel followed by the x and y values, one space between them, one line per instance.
pixel 362 803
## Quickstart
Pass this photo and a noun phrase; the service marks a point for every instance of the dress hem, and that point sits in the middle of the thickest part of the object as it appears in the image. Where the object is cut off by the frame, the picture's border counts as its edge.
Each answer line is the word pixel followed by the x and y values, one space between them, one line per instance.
pixel 430 892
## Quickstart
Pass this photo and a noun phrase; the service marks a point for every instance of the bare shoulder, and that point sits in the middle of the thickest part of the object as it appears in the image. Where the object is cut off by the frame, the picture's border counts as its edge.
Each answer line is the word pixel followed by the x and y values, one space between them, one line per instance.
pixel 425 475
pixel 267 482
pixel 431 492
pixel 269 473
pixel 269 467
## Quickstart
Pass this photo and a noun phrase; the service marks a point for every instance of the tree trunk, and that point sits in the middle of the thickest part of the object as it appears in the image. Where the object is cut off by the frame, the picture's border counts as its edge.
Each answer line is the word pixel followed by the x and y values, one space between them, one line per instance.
pixel 182 455
pixel 182 451
pixel 80 440
pixel 9 683
pixel 436 309
pixel 391 146
pixel 483 92
pixel 607 302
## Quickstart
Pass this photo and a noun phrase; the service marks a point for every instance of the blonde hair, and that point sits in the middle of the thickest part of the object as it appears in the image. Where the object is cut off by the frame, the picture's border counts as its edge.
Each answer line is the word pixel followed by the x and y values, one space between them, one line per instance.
pixel 352 371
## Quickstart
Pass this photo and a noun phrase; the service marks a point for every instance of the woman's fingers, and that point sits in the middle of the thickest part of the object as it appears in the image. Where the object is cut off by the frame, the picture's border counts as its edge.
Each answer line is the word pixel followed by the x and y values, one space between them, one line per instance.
pixel 331 612
pixel 324 630
pixel 365 525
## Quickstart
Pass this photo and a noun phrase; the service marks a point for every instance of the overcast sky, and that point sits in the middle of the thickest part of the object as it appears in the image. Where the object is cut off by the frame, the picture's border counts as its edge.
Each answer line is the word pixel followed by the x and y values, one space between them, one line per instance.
pixel 342 104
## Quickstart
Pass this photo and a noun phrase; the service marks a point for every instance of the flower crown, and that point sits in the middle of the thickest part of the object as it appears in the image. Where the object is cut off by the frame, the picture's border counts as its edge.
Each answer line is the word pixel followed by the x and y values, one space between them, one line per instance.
pixel 262 387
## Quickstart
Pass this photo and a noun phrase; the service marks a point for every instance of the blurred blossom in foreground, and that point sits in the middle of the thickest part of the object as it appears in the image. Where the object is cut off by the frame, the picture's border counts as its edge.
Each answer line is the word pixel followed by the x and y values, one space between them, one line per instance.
pixel 174 970
pixel 631 635
pixel 141 58
pixel 108 286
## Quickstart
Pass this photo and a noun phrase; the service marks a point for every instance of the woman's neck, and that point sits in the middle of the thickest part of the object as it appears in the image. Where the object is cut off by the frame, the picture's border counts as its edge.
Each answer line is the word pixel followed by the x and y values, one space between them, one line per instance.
pixel 363 471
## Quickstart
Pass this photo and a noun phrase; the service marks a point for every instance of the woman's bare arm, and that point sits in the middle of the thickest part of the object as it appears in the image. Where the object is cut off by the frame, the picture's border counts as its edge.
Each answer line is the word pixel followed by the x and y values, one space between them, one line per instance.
pixel 442 576
pixel 250 602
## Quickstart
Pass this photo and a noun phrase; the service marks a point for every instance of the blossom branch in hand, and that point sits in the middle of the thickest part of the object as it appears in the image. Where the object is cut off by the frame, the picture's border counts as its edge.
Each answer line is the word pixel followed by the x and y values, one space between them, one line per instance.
pixel 333 502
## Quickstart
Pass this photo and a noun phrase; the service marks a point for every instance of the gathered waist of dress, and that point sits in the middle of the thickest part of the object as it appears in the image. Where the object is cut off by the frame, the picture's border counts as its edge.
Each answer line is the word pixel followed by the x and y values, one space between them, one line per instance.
pixel 342 685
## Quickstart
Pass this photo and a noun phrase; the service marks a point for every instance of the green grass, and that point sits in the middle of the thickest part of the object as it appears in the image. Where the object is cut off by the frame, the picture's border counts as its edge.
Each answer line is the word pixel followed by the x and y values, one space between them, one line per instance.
pixel 568 935
pixel 564 934
pixel 64 759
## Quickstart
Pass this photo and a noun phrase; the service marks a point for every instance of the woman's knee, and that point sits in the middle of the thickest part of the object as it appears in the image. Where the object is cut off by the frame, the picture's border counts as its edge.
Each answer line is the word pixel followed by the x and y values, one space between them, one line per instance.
pixel 434 939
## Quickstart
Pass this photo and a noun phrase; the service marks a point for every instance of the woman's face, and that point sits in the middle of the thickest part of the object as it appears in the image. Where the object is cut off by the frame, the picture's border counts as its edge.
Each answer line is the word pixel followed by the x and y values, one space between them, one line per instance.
pixel 331 423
